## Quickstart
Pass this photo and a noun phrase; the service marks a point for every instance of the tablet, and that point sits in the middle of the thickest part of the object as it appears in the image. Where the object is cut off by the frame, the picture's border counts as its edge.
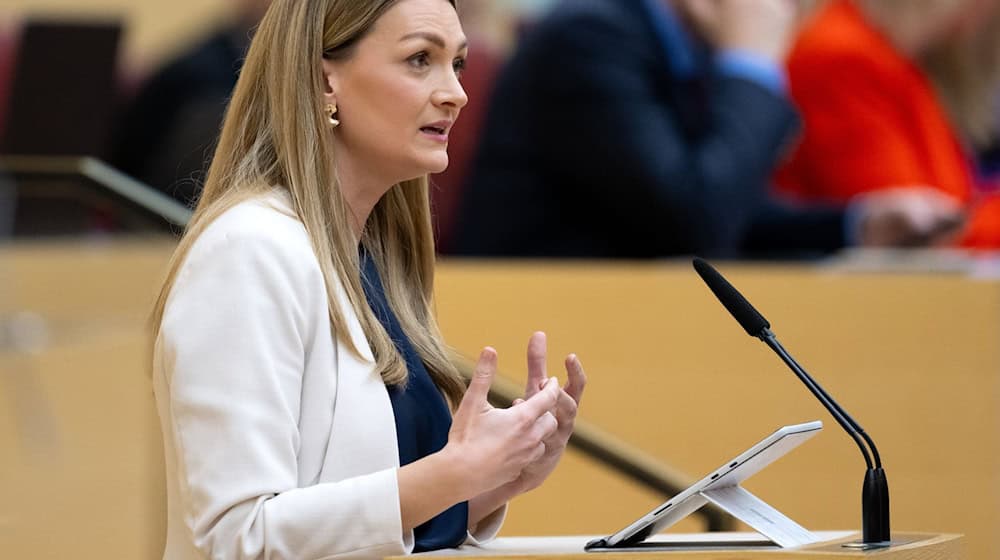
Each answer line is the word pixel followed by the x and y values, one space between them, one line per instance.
pixel 731 473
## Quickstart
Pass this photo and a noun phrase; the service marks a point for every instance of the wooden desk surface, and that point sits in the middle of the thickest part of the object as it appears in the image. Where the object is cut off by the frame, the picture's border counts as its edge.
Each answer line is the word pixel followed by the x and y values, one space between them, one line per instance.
pixel 710 546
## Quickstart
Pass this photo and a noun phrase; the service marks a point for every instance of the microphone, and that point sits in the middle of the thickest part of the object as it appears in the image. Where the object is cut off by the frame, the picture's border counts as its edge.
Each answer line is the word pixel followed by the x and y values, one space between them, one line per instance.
pixel 875 491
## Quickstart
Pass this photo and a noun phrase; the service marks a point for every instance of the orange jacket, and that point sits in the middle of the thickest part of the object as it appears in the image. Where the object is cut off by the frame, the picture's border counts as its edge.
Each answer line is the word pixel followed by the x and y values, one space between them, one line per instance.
pixel 872 120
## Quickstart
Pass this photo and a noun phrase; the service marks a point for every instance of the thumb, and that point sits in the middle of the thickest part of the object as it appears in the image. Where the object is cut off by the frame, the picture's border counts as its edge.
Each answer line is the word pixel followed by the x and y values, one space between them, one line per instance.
pixel 475 398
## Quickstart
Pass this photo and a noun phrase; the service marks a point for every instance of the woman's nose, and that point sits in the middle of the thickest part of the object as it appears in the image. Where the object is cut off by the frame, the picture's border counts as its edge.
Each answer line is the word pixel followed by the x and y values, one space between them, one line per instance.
pixel 451 93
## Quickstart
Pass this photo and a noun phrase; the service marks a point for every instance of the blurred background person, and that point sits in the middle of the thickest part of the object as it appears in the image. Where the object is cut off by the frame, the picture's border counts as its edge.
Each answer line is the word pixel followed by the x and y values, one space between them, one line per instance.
pixel 167 132
pixel 644 128
pixel 897 92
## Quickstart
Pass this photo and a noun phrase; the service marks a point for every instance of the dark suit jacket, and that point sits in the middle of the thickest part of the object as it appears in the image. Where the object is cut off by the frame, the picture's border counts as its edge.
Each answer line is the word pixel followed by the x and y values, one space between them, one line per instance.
pixel 593 148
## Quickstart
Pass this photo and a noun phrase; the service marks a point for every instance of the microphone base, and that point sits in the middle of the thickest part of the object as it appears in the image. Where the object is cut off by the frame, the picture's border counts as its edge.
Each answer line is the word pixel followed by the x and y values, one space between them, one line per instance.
pixel 899 540
pixel 875 508
pixel 861 545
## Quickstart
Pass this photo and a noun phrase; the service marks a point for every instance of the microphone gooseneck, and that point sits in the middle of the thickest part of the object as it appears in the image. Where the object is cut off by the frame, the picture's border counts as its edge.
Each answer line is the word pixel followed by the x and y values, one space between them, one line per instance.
pixel 875 491
pixel 845 421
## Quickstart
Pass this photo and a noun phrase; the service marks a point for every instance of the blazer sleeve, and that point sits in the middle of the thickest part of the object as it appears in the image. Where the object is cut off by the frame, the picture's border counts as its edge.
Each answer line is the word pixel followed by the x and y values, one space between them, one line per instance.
pixel 233 341
pixel 488 528
pixel 611 119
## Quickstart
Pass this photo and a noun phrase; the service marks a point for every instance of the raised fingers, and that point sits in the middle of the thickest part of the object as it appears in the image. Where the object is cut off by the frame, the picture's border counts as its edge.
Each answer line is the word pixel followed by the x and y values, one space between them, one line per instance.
pixel 543 401
pixel 536 364
pixel 475 398
pixel 576 378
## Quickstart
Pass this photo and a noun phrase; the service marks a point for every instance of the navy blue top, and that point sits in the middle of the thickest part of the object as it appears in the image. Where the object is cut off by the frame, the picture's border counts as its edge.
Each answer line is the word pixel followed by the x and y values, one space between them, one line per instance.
pixel 422 416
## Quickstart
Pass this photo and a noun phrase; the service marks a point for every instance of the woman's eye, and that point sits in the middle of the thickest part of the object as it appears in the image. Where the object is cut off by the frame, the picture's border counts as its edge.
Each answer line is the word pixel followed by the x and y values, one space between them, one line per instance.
pixel 459 66
pixel 419 60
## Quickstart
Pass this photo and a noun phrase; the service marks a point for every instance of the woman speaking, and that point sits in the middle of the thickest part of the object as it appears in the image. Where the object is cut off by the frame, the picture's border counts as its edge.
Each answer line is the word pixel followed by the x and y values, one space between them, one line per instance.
pixel 308 405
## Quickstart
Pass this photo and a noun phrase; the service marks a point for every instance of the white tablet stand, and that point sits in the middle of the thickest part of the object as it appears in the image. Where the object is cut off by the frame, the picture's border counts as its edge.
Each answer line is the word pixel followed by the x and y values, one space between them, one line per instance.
pixel 722 488
pixel 756 513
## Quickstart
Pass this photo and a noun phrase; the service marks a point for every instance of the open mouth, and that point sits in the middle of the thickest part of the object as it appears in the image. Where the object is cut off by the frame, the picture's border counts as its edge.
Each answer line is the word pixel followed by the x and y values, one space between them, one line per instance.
pixel 433 130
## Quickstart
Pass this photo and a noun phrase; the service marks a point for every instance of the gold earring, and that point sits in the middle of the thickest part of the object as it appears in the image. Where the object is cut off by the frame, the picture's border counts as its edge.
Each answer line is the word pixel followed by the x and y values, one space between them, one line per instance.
pixel 331 113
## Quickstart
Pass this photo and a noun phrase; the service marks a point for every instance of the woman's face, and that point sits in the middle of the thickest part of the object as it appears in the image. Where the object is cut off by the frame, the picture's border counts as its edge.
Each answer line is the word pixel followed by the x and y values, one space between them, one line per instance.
pixel 398 95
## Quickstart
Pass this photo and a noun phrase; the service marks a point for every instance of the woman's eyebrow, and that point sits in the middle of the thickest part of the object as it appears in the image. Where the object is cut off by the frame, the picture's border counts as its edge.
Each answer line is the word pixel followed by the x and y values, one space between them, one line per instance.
pixel 431 38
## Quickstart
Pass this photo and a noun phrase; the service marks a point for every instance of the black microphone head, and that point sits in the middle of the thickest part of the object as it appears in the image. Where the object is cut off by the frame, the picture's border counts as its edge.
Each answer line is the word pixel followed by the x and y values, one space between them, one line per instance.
pixel 749 318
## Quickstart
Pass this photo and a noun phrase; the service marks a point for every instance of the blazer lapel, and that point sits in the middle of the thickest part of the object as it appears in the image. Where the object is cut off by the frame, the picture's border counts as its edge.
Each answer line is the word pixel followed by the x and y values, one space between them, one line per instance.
pixel 363 433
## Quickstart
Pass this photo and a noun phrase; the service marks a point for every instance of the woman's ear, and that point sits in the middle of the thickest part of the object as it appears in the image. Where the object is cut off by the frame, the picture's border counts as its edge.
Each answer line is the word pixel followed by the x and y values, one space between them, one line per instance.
pixel 330 82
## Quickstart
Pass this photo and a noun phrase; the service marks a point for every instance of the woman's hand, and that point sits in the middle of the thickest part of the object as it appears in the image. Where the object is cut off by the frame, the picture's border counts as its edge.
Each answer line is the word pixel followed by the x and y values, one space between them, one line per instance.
pixel 911 216
pixel 487 449
pixel 495 445
pixel 536 471
pixel 565 411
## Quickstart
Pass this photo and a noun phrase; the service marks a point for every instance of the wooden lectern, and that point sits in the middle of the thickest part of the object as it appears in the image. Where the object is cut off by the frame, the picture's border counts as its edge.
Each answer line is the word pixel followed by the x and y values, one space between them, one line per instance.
pixel 713 546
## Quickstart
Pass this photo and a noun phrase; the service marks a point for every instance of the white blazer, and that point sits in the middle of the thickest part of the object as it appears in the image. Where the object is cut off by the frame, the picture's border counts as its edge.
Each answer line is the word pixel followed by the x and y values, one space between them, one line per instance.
pixel 279 441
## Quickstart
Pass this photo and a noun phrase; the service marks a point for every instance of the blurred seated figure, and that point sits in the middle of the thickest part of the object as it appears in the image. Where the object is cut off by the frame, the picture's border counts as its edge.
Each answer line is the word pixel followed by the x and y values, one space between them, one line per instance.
pixel 168 131
pixel 897 92
pixel 647 128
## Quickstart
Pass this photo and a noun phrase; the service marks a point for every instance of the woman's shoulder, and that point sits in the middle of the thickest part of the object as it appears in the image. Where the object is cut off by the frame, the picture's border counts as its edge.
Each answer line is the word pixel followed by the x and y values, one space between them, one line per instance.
pixel 263 228
pixel 268 215
pixel 255 253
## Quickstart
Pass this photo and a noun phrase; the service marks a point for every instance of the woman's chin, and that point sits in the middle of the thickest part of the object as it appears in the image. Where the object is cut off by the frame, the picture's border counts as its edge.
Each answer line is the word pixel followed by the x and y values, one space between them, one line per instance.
pixel 437 164
pixel 429 164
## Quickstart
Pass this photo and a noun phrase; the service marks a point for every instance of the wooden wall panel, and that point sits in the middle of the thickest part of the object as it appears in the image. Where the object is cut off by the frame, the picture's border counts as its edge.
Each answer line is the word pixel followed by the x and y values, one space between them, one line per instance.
pixel 915 358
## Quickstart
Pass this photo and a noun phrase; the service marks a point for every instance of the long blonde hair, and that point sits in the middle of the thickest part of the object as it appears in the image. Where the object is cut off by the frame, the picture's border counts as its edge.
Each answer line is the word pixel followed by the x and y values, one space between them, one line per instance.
pixel 276 134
